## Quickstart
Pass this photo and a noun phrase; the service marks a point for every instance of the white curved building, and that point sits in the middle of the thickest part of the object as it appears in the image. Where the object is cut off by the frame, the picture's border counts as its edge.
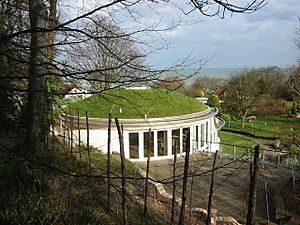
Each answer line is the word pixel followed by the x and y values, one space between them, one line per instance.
pixel 167 134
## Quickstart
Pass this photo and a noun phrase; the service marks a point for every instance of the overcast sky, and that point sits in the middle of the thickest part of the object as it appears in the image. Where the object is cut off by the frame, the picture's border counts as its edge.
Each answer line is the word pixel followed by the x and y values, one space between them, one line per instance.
pixel 263 38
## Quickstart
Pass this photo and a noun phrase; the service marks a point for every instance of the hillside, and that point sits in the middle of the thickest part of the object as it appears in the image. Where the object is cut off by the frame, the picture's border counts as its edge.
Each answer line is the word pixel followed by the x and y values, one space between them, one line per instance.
pixel 58 187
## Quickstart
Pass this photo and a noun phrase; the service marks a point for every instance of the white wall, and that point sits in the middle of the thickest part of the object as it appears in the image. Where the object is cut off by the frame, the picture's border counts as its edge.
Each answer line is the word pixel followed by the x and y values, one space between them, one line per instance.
pixel 98 138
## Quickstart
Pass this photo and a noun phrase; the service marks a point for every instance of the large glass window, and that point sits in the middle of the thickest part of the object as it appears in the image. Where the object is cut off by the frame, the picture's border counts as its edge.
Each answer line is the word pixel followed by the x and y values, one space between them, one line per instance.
pixel 202 135
pixel 195 137
pixel 162 143
pixel 133 145
pixel 206 133
pixel 175 141
pixel 148 142
pixel 185 135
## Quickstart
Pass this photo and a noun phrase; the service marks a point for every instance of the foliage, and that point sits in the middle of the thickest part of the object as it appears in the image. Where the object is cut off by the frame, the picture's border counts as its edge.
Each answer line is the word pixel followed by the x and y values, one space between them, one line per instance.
pixel 57 188
pixel 213 101
pixel 132 104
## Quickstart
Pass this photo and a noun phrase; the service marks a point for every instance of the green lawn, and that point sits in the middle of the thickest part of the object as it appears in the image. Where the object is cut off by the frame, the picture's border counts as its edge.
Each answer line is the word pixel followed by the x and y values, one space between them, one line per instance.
pixel 134 104
pixel 282 127
pixel 242 144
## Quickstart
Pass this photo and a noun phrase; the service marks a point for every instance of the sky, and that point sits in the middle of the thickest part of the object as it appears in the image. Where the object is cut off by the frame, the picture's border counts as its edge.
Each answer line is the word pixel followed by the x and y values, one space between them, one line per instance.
pixel 263 38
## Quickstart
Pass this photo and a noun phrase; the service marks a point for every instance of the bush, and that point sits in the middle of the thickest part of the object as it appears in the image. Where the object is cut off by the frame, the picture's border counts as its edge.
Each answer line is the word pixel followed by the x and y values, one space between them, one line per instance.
pixel 272 111
pixel 226 116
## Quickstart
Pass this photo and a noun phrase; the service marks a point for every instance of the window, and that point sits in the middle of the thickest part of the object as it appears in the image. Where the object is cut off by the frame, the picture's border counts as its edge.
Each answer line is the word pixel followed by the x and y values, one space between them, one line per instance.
pixel 206 133
pixel 162 143
pixel 175 141
pixel 147 142
pixel 195 137
pixel 133 145
pixel 202 135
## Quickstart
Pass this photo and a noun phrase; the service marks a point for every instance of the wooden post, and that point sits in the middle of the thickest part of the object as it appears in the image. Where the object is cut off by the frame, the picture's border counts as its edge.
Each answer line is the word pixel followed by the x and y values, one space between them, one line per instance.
pixel 88 138
pixel 64 134
pixel 252 190
pixel 263 159
pixel 123 168
pixel 78 127
pixel 234 152
pixel 147 173
pixel 174 183
pixel 108 163
pixel 185 179
pixel 211 192
pixel 71 128
pixel 191 190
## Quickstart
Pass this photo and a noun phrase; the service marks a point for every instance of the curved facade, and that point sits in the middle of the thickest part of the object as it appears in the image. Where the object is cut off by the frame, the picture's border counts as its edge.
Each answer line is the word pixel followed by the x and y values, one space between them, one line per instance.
pixel 168 134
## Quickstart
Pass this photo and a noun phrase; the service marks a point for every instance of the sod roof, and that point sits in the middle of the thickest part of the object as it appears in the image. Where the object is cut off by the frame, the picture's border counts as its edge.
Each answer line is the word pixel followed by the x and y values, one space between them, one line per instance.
pixel 134 104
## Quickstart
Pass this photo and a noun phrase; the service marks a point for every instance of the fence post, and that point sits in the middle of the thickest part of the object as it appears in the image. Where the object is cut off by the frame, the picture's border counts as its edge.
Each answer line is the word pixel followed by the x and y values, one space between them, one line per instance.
pixel 263 159
pixel 78 127
pixel 123 168
pixel 88 138
pixel 71 128
pixel 191 190
pixel 108 163
pixel 63 127
pixel 174 183
pixel 185 179
pixel 211 192
pixel 234 152
pixel 252 189
pixel 147 173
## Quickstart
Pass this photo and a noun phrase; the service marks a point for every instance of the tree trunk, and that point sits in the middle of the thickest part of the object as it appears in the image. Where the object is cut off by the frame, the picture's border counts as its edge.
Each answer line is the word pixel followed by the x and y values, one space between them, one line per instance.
pixel 243 121
pixel 36 112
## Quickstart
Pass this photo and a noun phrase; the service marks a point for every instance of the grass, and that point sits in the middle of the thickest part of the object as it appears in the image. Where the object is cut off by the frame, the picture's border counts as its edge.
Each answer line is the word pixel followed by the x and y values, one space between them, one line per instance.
pixel 134 104
pixel 55 187
pixel 242 144
pixel 271 127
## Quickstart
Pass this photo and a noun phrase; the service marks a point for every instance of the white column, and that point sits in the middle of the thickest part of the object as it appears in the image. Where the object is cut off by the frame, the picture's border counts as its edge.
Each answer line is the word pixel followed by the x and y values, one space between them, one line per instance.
pixel 141 144
pixel 169 135
pixel 126 144
pixel 155 143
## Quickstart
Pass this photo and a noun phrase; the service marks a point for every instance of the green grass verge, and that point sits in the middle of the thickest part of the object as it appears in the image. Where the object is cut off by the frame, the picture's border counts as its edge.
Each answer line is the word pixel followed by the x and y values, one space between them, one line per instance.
pixel 133 104
pixel 268 127
pixel 243 145
pixel 55 187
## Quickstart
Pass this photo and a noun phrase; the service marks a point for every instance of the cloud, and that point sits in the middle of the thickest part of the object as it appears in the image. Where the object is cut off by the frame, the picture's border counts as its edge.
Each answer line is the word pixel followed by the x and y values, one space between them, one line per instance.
pixel 262 38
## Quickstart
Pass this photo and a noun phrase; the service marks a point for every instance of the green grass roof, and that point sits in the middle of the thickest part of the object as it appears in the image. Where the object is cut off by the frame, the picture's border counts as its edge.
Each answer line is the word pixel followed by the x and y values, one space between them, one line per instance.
pixel 134 104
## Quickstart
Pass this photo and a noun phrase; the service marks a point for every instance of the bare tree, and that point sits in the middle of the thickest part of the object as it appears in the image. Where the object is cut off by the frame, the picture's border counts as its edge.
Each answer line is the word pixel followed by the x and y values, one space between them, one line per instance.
pixel 37 59
pixel 109 54
pixel 297 36
pixel 294 82
pixel 242 93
